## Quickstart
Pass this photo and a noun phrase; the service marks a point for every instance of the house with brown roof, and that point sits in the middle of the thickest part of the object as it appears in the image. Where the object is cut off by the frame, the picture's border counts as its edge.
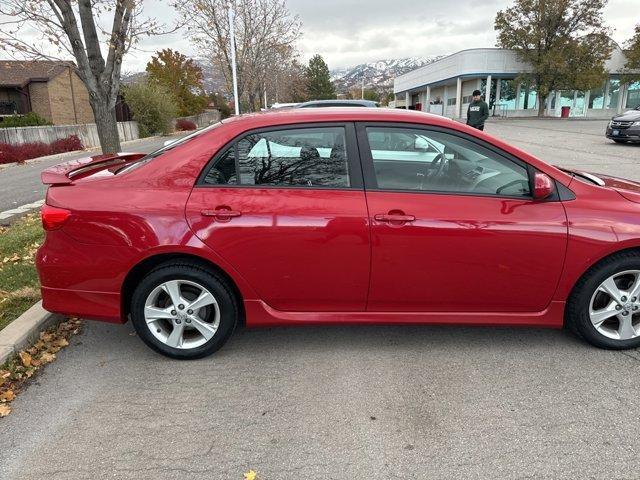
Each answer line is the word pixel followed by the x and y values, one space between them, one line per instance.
pixel 51 89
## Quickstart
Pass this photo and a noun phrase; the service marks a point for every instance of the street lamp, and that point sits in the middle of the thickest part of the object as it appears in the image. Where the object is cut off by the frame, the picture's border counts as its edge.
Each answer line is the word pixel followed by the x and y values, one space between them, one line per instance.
pixel 232 35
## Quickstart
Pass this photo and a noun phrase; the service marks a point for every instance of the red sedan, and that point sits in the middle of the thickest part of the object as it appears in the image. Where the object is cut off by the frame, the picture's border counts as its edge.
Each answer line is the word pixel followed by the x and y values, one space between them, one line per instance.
pixel 339 216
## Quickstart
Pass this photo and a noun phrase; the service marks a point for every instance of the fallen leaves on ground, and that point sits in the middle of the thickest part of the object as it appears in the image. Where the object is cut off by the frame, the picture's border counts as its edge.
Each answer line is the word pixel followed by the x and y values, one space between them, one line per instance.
pixel 23 366
pixel 12 258
pixel 251 475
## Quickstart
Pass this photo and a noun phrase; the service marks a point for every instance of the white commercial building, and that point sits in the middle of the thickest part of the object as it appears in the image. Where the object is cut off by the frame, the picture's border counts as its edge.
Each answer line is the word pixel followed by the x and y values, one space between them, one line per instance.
pixel 445 87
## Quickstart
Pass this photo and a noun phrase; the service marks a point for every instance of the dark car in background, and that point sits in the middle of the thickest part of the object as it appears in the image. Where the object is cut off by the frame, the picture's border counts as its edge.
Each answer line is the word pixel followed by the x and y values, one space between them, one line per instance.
pixel 337 103
pixel 625 127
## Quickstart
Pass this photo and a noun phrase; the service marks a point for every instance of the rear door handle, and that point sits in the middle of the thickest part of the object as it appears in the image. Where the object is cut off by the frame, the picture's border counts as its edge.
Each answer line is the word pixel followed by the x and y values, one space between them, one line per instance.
pixel 393 217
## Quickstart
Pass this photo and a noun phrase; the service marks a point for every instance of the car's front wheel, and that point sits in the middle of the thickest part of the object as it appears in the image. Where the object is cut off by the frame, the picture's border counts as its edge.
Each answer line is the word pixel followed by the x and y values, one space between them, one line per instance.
pixel 183 311
pixel 604 307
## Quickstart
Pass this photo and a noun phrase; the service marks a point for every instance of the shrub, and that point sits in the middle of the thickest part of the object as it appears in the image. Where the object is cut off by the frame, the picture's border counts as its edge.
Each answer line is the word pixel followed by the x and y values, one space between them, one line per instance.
pixel 183 125
pixel 31 119
pixel 152 107
pixel 20 153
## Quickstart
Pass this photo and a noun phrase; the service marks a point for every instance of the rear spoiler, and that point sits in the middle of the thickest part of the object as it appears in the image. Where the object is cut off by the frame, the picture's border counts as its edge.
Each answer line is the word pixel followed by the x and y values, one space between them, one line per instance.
pixel 63 173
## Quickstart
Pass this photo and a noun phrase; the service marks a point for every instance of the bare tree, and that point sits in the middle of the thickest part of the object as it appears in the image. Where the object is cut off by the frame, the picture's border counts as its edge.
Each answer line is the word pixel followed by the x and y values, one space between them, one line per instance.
pixel 74 28
pixel 265 34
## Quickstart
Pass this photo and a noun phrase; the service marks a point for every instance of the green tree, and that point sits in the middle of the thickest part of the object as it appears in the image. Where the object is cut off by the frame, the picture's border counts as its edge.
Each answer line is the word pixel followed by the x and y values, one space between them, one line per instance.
pixel 371 95
pixel 221 104
pixel 633 57
pixel 152 106
pixel 564 41
pixel 319 86
pixel 181 77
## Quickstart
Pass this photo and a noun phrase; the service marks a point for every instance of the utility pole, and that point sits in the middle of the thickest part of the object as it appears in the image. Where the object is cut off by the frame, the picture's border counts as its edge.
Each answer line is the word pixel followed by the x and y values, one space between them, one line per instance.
pixel 362 93
pixel 232 35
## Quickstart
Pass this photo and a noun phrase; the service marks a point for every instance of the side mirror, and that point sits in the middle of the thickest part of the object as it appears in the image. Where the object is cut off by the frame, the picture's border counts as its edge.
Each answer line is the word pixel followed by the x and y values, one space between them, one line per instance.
pixel 543 186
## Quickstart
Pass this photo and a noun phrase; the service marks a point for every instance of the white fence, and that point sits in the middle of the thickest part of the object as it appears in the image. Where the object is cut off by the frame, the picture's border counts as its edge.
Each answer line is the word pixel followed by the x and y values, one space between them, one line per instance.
pixel 87 133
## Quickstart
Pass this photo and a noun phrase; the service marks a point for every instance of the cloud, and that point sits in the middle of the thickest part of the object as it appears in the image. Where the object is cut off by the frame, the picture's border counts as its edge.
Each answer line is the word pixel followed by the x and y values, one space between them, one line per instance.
pixel 349 32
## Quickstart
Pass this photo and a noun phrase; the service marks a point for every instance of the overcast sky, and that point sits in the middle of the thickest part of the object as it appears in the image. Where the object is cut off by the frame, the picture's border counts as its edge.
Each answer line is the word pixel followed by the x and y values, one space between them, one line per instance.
pixel 349 32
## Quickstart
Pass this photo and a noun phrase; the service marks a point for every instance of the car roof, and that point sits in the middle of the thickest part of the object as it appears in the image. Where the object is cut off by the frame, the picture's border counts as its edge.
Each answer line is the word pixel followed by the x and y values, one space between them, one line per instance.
pixel 335 114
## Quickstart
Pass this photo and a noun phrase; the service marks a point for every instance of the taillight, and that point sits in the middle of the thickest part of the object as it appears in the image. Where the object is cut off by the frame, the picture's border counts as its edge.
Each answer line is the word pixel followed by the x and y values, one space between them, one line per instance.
pixel 53 217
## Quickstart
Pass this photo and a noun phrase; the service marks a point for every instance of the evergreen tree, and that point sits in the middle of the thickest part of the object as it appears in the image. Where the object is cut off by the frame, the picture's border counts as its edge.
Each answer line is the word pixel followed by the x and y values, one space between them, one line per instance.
pixel 319 86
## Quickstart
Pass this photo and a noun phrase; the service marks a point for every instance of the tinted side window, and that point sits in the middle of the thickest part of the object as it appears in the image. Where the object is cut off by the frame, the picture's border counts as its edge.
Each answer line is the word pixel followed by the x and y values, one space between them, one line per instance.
pixel 304 157
pixel 425 160
pixel 223 171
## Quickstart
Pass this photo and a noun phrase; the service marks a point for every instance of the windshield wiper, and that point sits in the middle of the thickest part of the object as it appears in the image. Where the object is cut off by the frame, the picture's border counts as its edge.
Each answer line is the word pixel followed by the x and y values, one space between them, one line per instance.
pixel 587 176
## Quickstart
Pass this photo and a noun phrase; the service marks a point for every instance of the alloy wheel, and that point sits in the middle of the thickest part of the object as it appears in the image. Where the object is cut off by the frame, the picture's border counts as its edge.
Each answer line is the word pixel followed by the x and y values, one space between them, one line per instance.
pixel 182 314
pixel 614 309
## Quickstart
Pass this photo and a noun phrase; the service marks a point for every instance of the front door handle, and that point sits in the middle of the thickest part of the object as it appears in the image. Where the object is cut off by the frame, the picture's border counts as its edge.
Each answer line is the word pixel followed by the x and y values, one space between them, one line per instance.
pixel 394 217
pixel 221 214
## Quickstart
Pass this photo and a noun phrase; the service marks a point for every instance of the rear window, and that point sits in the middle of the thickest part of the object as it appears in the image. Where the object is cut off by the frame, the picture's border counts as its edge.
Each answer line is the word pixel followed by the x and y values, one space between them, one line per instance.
pixel 181 141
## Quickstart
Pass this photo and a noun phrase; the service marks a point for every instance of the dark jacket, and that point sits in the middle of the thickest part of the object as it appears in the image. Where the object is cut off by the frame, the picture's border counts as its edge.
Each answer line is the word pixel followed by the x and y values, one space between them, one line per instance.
pixel 477 113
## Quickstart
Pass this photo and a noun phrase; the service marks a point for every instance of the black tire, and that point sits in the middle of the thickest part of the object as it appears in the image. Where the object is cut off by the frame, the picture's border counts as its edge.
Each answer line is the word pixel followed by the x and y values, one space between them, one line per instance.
pixel 226 300
pixel 619 141
pixel 577 311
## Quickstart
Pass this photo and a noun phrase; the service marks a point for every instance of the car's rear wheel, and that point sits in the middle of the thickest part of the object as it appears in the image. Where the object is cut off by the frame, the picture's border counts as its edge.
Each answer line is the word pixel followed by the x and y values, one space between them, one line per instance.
pixel 619 141
pixel 604 307
pixel 183 311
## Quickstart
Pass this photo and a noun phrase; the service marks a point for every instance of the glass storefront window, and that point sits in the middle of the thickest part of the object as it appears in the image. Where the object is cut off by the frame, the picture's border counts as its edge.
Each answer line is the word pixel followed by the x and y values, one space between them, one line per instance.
pixel 633 95
pixel 614 94
pixel 596 98
pixel 508 94
pixel 566 98
pixel 528 97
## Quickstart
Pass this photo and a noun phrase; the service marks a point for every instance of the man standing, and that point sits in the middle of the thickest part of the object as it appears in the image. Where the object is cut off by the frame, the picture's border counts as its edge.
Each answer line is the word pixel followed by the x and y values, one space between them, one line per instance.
pixel 478 111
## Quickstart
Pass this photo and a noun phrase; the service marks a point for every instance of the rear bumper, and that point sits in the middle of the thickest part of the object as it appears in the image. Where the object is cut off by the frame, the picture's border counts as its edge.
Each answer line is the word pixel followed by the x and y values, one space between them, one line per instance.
pixel 78 303
pixel 82 280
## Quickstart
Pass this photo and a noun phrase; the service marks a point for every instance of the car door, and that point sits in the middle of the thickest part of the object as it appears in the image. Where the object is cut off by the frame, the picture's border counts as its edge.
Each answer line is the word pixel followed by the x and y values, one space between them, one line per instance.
pixel 286 207
pixel 459 231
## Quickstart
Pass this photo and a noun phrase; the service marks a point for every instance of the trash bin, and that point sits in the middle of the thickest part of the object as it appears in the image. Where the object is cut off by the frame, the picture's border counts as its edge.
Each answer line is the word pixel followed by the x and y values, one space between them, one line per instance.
pixel 564 112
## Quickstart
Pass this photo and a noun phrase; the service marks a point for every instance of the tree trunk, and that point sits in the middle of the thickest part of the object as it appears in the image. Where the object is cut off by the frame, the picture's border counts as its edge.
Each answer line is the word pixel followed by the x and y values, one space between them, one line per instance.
pixel 106 124
pixel 542 105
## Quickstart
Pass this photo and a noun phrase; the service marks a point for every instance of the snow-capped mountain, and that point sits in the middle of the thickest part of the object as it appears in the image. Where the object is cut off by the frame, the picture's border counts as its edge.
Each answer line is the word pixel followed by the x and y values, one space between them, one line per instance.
pixel 377 75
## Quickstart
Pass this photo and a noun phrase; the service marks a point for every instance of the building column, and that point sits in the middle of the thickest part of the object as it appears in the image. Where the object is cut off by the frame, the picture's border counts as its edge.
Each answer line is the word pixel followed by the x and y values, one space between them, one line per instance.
pixel 427 99
pixel 625 97
pixel 518 88
pixel 487 92
pixel 558 94
pixel 587 98
pixel 605 95
pixel 445 101
pixel 407 100
pixel 620 98
pixel 458 109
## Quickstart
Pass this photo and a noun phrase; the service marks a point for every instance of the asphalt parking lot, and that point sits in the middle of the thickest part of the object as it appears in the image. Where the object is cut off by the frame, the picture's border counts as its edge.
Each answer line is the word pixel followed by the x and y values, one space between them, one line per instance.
pixel 574 143
pixel 344 402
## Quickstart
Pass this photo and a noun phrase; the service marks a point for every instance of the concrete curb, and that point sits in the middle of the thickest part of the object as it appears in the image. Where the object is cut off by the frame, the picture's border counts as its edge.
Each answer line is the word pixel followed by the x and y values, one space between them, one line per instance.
pixel 24 330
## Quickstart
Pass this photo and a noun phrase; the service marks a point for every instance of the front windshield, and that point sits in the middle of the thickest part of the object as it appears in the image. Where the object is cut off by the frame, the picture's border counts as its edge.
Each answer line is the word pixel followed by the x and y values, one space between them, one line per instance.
pixel 181 141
